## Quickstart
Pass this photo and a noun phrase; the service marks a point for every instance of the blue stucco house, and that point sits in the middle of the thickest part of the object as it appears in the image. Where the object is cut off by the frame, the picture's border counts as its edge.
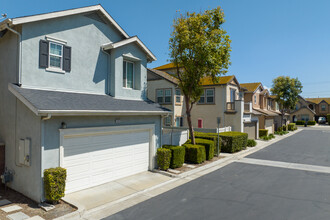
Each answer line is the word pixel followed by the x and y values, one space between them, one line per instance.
pixel 73 94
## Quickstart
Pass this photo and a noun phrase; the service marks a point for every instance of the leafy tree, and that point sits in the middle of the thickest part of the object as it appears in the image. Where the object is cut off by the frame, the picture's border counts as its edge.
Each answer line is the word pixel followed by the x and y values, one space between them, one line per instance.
pixel 286 90
pixel 199 47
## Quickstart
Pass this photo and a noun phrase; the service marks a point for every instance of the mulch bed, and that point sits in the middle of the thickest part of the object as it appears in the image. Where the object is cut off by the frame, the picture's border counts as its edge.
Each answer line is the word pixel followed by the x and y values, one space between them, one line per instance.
pixel 30 207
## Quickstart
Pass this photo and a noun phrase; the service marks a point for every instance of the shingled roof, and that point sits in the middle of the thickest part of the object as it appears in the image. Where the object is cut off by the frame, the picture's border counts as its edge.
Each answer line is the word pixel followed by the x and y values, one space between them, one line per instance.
pixel 251 87
pixel 43 102
pixel 165 66
pixel 318 100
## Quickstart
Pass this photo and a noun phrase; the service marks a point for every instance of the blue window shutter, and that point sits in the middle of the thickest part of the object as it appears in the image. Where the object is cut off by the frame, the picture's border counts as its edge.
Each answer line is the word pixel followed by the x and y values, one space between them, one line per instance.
pixel 43 54
pixel 66 58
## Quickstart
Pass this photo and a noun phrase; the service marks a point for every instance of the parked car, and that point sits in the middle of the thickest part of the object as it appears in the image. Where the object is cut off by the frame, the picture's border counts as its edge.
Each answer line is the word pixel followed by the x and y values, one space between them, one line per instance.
pixel 322 120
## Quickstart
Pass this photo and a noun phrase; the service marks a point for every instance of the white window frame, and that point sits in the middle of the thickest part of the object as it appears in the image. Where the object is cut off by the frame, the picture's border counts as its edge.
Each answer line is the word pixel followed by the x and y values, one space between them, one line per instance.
pixel 126 74
pixel 167 96
pixel 168 121
pixel 160 96
pixel 177 96
pixel 205 96
pixel 255 99
pixel 55 55
pixel 164 96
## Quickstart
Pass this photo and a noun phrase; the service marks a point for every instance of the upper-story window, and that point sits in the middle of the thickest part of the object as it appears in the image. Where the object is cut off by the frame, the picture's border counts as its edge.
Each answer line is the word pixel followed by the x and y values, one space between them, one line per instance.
pixel 232 95
pixel 178 96
pixel 323 107
pixel 297 106
pixel 255 99
pixel 207 97
pixel 128 74
pixel 54 56
pixel 164 96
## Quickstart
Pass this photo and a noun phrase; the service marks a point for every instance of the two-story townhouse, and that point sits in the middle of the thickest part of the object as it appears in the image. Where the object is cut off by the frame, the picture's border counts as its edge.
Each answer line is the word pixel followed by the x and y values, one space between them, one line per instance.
pixel 258 97
pixel 163 89
pixel 321 106
pixel 304 111
pixel 73 94
pixel 222 98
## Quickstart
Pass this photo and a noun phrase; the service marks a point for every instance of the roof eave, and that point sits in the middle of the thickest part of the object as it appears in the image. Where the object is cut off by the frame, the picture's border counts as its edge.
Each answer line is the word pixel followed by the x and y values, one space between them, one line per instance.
pixel 98 112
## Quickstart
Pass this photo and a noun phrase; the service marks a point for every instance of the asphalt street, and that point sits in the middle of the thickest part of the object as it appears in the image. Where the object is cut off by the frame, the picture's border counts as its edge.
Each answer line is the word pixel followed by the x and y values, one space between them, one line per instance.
pixel 250 191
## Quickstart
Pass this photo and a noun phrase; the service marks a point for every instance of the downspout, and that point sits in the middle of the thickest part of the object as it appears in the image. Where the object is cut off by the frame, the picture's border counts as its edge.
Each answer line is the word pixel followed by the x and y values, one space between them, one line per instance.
pixel 43 119
pixel 46 117
pixel 20 54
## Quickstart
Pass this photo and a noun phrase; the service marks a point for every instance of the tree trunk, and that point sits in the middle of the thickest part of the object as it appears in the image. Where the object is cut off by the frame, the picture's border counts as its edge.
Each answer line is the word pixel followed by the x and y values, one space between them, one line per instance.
pixel 282 117
pixel 188 112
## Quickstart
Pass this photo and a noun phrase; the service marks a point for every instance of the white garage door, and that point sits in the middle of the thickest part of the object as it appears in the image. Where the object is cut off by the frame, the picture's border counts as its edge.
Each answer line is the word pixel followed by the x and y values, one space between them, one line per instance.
pixel 95 158
pixel 269 125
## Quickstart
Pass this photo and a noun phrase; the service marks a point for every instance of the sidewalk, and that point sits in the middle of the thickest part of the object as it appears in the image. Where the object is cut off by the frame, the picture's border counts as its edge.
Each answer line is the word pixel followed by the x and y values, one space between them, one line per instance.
pixel 108 199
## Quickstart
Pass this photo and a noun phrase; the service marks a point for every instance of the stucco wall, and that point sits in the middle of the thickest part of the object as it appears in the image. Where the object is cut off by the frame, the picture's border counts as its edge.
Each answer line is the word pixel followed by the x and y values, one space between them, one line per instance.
pixel 89 65
pixel 17 122
pixel 302 111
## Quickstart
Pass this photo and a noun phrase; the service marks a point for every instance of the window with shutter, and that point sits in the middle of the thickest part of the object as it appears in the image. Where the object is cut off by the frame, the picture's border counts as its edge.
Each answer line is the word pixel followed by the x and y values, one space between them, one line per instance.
pixel 54 56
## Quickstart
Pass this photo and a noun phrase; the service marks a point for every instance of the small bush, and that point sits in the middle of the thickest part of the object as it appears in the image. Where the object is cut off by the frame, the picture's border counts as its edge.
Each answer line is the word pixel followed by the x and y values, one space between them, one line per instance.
pixel 300 122
pixel 251 143
pixel 311 122
pixel 263 132
pixel 54 184
pixel 328 118
pixel 233 141
pixel 265 138
pixel 164 158
pixel 177 157
pixel 291 126
pixel 195 153
pixel 210 136
pixel 285 127
pixel 209 146
pixel 271 136
pixel 279 129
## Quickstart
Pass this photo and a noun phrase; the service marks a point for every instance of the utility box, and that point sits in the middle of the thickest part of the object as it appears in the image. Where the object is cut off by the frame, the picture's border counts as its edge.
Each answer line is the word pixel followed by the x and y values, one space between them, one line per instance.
pixel 24 152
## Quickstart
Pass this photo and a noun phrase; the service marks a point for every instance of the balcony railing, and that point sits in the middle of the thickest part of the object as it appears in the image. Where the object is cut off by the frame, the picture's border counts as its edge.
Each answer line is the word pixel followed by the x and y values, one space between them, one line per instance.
pixel 230 106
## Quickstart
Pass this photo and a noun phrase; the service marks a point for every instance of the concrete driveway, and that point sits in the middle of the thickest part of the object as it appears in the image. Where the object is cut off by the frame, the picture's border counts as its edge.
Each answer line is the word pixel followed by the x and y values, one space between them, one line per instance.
pixel 274 183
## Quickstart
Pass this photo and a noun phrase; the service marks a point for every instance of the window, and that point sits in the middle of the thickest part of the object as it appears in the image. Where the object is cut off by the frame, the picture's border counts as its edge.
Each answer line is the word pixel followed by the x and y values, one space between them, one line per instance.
pixel 168 121
pixel 305 117
pixel 207 97
pixel 160 95
pixel 179 121
pixel 255 99
pixel 164 96
pixel 54 56
pixel 128 74
pixel 323 107
pixel 177 96
pixel 200 123
pixel 297 106
pixel 232 95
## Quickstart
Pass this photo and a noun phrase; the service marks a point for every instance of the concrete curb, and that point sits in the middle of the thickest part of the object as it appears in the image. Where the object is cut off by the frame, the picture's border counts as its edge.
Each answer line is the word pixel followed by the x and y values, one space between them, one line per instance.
pixel 219 163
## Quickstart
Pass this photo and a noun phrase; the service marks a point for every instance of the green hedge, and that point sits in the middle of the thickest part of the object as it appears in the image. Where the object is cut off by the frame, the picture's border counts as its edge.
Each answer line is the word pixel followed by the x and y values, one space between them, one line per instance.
pixel 263 132
pixel 178 154
pixel 54 184
pixel 311 122
pixel 210 136
pixel 195 153
pixel 251 143
pixel 209 146
pixel 233 141
pixel 164 158
pixel 291 126
pixel 280 129
pixel 285 127
pixel 300 122
pixel 328 118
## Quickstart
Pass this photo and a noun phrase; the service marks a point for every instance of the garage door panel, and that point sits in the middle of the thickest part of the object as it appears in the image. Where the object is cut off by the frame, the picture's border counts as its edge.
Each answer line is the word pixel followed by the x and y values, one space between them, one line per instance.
pixel 94 159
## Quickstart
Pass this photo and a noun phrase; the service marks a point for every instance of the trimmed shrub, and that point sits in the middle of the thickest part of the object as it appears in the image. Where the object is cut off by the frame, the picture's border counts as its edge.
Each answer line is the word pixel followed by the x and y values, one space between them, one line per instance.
pixel 210 136
pixel 164 158
pixel 271 136
pixel 251 143
pixel 300 122
pixel 54 184
pixel 263 132
pixel 233 141
pixel 311 122
pixel 209 146
pixel 279 129
pixel 285 127
pixel 177 155
pixel 265 138
pixel 291 126
pixel 195 153
pixel 328 118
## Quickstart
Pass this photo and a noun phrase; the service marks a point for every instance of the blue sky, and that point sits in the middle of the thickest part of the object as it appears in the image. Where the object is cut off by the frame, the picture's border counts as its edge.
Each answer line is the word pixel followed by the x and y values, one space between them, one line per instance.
pixel 269 38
